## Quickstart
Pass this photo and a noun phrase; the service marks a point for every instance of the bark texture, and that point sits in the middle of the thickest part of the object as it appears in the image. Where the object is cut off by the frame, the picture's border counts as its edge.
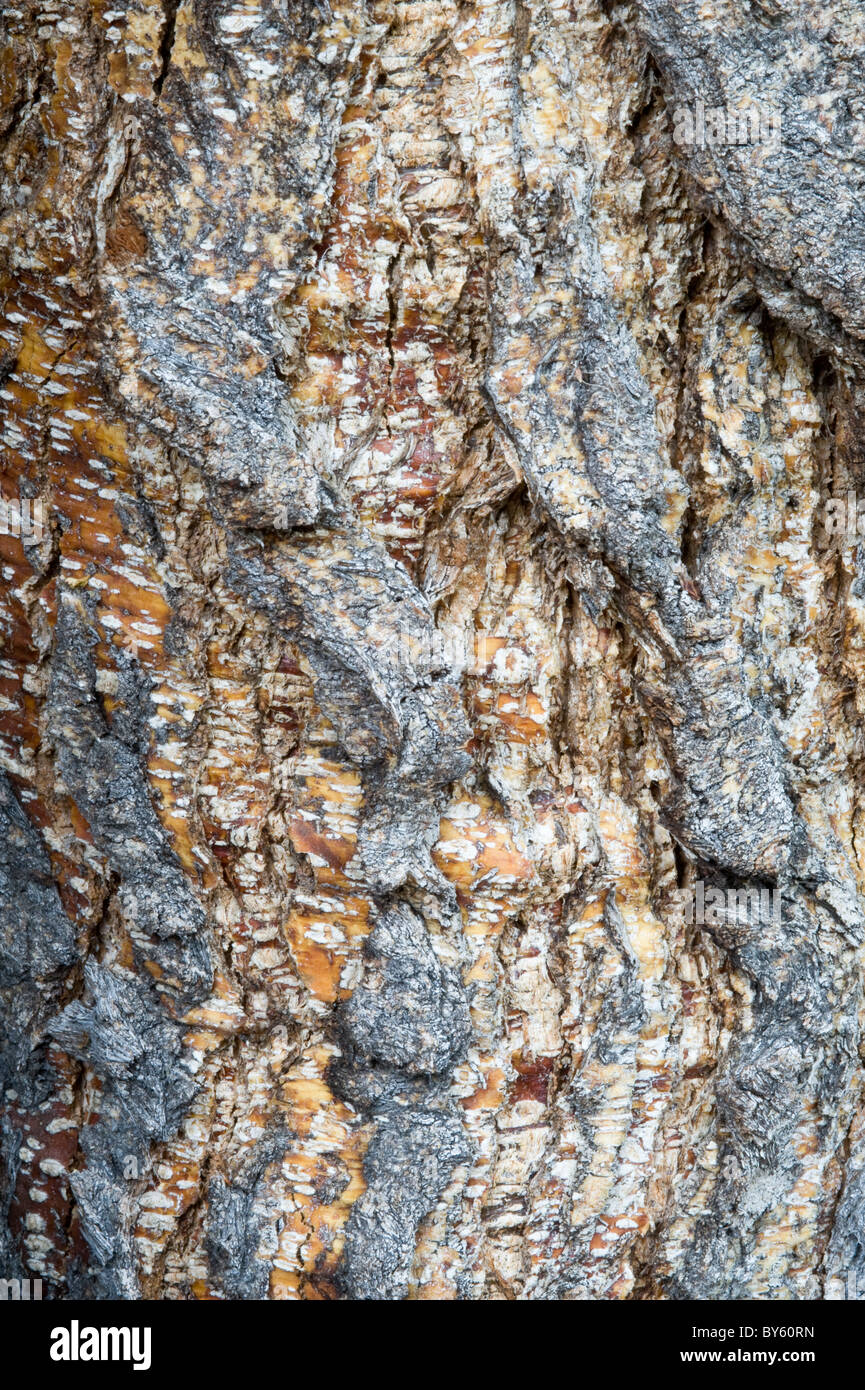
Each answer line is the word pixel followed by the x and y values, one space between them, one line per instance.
pixel 434 591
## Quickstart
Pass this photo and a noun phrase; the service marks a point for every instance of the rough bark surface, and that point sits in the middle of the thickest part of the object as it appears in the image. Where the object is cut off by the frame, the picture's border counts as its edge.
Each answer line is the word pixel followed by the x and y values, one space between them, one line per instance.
pixel 434 591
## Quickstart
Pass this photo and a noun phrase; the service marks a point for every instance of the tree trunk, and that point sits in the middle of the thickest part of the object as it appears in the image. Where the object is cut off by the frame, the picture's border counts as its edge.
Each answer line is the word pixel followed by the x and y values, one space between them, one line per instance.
pixel 432 668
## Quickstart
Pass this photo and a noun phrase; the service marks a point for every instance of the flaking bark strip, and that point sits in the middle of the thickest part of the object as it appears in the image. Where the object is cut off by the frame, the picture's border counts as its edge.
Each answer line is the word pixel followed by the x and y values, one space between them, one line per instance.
pixel 154 891
pixel 401 1033
pixel 121 1031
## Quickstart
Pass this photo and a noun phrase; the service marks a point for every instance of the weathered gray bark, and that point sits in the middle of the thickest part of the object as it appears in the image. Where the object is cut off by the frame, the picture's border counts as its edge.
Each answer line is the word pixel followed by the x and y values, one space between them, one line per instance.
pixel 438 594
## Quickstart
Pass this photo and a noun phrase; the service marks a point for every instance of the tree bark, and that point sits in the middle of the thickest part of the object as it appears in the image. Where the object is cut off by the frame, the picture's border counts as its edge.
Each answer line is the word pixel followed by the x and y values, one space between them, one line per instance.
pixel 432 671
